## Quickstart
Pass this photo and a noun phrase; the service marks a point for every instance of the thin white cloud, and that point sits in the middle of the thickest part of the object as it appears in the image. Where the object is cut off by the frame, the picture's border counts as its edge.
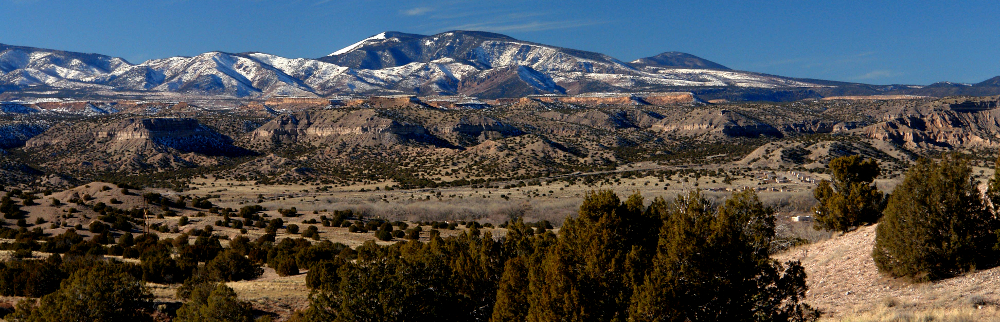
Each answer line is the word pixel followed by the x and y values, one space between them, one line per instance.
pixel 418 11
pixel 877 74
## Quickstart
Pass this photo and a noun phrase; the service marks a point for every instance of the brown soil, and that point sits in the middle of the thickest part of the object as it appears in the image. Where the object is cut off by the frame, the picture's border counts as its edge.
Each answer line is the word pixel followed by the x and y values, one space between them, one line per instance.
pixel 844 283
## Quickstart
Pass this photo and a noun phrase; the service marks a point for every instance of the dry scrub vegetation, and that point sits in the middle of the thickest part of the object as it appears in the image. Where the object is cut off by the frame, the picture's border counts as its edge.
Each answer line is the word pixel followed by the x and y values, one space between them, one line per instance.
pixel 842 279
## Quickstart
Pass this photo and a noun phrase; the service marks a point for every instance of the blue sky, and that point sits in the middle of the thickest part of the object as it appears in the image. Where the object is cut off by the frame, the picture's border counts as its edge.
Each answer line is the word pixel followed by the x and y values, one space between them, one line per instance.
pixel 877 42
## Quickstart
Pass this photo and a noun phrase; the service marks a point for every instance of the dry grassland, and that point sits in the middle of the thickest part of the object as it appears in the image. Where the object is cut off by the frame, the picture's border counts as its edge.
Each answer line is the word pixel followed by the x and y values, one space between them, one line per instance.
pixel 845 284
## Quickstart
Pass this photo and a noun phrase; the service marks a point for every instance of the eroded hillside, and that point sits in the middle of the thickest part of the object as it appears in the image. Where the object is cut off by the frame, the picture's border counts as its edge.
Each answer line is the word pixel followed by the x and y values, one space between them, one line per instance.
pixel 404 142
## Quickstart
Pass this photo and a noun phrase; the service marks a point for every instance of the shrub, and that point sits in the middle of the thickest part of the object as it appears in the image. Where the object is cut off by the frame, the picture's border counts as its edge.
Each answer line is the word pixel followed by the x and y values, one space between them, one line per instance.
pixel 274 225
pixel 324 273
pixel 159 267
pixel 384 235
pixel 231 265
pixel 284 264
pixel 32 278
pixel 413 234
pixel 292 229
pixel 935 225
pixel 104 292
pixel 216 302
pixel 311 232
pixel 130 252
pixel 126 240
pixel 288 212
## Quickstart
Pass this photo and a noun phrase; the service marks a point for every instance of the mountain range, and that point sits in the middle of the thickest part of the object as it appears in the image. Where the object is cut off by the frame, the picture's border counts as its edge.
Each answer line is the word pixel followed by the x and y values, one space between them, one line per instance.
pixel 471 63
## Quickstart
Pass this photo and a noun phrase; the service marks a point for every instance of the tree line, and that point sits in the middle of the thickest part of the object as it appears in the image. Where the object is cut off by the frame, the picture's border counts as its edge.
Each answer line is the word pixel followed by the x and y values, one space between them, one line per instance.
pixel 683 259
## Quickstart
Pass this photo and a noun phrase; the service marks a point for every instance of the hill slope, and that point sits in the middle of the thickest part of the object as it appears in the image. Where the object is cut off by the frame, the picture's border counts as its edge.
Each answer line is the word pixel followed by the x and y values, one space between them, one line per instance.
pixel 844 282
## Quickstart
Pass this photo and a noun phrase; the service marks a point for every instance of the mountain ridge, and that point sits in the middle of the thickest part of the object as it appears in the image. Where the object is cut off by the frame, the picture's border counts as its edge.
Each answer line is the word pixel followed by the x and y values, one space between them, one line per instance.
pixel 472 63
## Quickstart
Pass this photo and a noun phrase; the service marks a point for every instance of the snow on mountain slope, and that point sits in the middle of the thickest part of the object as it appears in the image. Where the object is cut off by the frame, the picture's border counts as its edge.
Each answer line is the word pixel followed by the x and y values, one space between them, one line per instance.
pixel 25 66
pixel 481 49
pixel 543 58
pixel 456 62
pixel 213 73
pixel 322 78
pixel 567 67
pixel 537 79
pixel 347 49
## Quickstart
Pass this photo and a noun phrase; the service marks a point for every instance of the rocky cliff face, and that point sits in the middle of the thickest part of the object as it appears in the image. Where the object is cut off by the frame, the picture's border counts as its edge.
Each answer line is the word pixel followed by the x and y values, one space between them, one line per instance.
pixel 470 130
pixel 133 143
pixel 359 127
pixel 182 134
pixel 957 122
pixel 716 122
pixel 16 134
pixel 939 129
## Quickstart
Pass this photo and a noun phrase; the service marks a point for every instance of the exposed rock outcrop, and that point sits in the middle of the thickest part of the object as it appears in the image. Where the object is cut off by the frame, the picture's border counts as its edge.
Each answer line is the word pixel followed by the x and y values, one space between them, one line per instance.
pixel 715 122
pixel 940 129
pixel 133 143
pixel 359 127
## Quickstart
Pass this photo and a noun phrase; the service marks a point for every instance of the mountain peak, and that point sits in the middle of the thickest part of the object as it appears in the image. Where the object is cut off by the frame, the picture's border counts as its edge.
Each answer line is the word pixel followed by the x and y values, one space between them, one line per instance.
pixel 673 59
pixel 395 35
pixel 475 34
pixel 992 82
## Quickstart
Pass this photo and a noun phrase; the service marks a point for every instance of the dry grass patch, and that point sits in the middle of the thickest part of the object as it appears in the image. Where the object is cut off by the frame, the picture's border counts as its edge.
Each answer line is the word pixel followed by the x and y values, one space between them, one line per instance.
pixel 904 314
pixel 845 284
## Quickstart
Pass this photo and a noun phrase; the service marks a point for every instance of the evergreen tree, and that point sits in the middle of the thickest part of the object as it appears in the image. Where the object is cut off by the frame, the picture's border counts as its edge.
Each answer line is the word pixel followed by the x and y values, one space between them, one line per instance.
pixel 851 199
pixel 615 261
pixel 993 189
pixel 231 265
pixel 511 304
pixel 714 266
pixel 284 264
pixel 214 304
pixel 584 276
pixel 159 267
pixel 104 292
pixel 935 225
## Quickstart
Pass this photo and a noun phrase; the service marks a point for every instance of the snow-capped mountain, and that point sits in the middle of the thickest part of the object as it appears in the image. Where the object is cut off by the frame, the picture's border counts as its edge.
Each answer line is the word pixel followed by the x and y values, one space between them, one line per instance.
pixel 457 62
pixel 26 66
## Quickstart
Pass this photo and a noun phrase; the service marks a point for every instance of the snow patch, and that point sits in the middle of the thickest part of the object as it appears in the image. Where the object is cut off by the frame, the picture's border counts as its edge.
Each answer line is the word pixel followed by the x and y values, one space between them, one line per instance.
pixel 357 44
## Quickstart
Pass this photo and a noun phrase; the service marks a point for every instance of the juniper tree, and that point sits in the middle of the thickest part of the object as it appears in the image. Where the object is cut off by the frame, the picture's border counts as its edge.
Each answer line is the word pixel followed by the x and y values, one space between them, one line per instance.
pixel 584 276
pixel 104 292
pixel 851 199
pixel 713 265
pixel 936 225
pixel 216 303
